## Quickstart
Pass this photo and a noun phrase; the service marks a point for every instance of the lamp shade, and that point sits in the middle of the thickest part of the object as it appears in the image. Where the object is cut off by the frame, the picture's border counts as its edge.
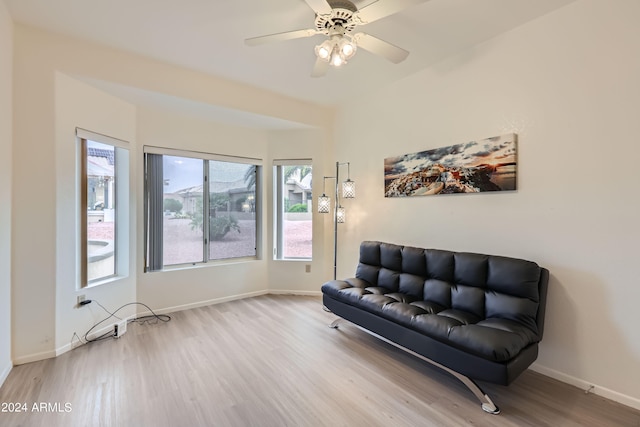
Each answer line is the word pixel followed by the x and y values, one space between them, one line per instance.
pixel 337 59
pixel 347 48
pixel 341 215
pixel 323 51
pixel 324 204
pixel 349 189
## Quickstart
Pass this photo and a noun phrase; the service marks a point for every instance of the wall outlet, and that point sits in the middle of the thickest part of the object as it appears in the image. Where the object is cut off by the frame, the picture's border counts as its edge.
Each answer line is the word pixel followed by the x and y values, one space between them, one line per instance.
pixel 80 299
pixel 119 329
pixel 307 268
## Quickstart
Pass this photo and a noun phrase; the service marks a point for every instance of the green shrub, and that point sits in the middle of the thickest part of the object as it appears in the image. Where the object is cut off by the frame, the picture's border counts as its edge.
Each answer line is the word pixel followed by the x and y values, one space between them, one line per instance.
pixel 300 207
pixel 220 226
pixel 172 205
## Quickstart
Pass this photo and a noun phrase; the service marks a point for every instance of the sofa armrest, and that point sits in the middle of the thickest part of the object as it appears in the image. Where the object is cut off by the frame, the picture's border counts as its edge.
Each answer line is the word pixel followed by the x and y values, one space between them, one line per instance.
pixel 333 287
pixel 542 305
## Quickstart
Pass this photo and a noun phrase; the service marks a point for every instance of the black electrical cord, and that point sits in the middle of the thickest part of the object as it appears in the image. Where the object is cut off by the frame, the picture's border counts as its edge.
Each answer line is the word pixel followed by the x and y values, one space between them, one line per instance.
pixel 102 307
pixel 140 320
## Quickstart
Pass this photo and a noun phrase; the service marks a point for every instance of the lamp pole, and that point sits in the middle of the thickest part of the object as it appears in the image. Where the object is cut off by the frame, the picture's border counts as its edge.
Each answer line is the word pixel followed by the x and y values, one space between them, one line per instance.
pixel 324 203
pixel 335 224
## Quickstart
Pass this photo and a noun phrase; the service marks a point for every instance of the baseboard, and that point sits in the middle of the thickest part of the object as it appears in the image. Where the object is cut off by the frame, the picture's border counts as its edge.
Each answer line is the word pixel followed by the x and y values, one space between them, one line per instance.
pixel 35 357
pixel 77 343
pixel 300 293
pixel 168 310
pixel 585 385
pixel 205 303
pixel 5 373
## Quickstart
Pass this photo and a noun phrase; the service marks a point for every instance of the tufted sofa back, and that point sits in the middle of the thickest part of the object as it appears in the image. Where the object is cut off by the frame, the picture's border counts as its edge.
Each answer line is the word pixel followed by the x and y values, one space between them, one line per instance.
pixel 484 285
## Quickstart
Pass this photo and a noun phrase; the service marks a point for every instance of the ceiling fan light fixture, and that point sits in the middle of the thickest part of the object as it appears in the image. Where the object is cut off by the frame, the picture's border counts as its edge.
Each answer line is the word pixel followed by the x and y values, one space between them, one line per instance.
pixel 337 59
pixel 336 50
pixel 323 51
pixel 337 19
pixel 347 48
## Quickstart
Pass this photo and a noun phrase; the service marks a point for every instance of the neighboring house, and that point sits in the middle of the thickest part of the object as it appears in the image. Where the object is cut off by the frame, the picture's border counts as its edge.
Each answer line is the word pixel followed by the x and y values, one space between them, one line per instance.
pixel 100 183
pixel 241 199
pixel 299 191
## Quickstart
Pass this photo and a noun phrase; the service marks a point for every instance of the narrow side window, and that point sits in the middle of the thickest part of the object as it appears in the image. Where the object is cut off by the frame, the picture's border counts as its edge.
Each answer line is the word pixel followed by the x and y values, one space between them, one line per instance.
pixel 101 194
pixel 293 210
pixel 99 207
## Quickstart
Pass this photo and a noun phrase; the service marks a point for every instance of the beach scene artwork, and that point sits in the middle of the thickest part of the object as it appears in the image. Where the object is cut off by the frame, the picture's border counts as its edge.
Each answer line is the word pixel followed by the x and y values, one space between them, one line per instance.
pixel 475 167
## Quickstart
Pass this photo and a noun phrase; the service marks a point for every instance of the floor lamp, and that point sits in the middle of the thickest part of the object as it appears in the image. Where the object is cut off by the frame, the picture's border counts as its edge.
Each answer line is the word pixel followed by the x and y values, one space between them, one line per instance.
pixel 339 213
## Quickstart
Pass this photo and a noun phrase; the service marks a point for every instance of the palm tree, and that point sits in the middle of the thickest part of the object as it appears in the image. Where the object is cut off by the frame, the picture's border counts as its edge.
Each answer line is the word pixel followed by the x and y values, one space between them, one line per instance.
pixel 289 171
pixel 250 177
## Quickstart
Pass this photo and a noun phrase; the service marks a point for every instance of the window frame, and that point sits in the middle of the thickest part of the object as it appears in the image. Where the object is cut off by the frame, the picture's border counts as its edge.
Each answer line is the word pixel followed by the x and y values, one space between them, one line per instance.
pixel 121 207
pixel 278 211
pixel 151 261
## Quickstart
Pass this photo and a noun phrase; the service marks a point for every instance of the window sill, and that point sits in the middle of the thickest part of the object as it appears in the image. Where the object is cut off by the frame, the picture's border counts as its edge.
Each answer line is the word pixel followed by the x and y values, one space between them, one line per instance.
pixel 198 265
pixel 107 280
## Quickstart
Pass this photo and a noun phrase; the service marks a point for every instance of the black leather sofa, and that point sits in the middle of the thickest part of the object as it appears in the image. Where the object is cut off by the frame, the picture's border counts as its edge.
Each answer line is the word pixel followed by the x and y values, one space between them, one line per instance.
pixel 479 317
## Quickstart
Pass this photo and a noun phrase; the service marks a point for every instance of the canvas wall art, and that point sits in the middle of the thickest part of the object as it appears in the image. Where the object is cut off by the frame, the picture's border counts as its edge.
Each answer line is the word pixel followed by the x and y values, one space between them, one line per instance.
pixel 475 167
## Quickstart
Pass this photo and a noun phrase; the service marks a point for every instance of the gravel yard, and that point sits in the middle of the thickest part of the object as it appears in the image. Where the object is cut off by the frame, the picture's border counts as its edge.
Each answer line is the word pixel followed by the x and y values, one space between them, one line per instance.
pixel 297 243
pixel 183 245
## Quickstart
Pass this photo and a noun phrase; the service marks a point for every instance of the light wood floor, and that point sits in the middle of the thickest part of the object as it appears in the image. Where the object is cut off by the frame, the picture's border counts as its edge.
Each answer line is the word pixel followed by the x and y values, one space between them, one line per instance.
pixel 272 361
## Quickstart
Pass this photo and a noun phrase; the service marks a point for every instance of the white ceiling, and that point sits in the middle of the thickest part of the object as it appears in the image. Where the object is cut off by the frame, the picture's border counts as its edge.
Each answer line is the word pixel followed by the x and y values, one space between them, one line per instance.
pixel 208 35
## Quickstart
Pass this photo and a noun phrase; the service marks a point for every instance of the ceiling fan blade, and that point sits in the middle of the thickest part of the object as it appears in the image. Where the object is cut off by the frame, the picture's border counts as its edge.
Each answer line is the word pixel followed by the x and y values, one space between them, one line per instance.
pixel 380 47
pixel 320 68
pixel 321 7
pixel 289 35
pixel 382 8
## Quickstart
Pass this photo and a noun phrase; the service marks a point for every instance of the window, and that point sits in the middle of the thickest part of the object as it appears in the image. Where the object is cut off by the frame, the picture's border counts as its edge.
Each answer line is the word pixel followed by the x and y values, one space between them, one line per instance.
pixel 293 210
pixel 104 207
pixel 199 208
pixel 182 207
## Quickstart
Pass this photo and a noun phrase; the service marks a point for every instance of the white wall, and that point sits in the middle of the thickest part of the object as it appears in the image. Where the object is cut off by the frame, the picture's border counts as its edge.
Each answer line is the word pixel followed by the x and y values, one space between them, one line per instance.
pixel 6 134
pixel 48 70
pixel 48 108
pixel 567 84
pixel 33 223
pixel 80 105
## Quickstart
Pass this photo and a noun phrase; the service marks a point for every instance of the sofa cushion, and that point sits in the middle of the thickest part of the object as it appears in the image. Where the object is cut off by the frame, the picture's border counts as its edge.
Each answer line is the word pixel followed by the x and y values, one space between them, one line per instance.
pixel 470 269
pixel 440 265
pixel 391 256
pixel 414 261
pixel 411 284
pixel 389 279
pixel 493 339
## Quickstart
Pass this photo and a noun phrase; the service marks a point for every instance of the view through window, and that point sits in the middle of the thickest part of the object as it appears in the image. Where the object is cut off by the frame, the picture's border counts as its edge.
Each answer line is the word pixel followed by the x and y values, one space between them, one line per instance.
pixel 232 210
pixel 207 210
pixel 100 184
pixel 293 211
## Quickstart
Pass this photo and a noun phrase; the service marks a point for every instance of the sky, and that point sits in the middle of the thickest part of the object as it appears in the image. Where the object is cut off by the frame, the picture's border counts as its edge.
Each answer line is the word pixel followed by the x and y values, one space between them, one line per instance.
pixel 184 172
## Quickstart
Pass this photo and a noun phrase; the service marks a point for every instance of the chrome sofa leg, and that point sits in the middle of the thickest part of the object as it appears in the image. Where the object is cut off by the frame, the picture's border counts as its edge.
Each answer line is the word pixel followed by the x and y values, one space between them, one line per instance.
pixel 334 324
pixel 487 403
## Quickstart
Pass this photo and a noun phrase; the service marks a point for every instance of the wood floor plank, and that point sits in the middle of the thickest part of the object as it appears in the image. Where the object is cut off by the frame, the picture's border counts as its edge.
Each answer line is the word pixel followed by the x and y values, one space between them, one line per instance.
pixel 272 361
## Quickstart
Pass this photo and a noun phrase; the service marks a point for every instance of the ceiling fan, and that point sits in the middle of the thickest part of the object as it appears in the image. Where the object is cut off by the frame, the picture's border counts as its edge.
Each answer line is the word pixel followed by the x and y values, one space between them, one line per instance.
pixel 337 19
